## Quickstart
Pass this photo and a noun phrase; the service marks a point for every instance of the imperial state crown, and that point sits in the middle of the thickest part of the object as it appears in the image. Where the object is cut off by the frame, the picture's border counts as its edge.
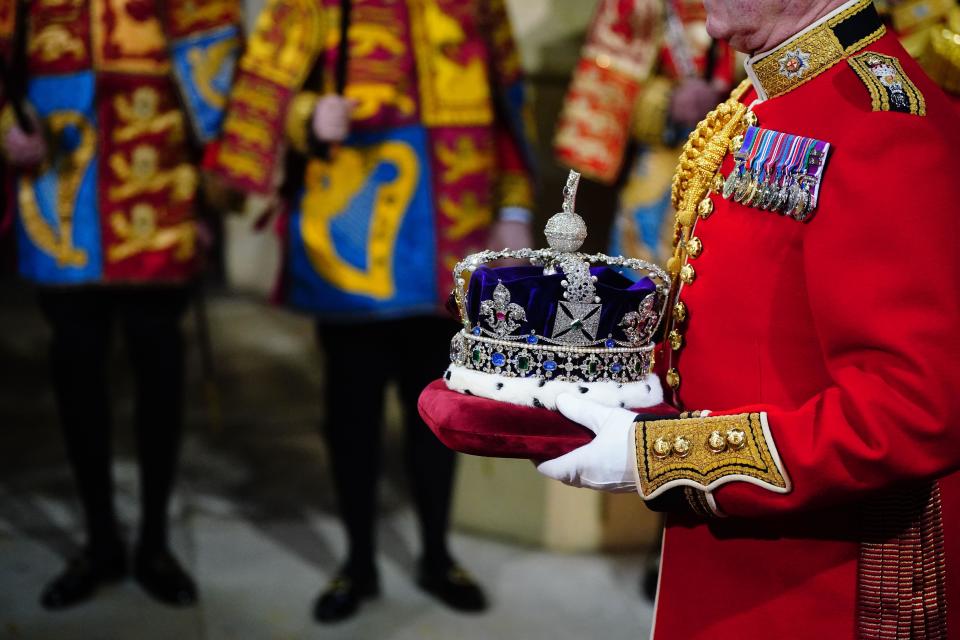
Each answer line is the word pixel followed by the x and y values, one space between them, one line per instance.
pixel 565 322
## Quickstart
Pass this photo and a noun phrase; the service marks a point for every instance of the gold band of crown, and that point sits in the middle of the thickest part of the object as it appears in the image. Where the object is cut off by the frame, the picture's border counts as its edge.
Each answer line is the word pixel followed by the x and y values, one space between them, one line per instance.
pixel 705 452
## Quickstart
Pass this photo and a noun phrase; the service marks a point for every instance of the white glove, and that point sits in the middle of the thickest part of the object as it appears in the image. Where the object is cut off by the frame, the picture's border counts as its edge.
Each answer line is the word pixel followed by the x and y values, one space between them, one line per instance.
pixel 331 117
pixel 608 462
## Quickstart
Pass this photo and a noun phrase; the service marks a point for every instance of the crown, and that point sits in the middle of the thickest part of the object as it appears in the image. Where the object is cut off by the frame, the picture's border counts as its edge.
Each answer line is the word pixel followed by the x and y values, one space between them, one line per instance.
pixel 566 322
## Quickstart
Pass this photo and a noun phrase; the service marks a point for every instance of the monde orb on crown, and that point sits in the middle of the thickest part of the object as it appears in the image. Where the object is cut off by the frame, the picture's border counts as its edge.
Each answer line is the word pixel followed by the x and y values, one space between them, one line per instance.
pixel 567 322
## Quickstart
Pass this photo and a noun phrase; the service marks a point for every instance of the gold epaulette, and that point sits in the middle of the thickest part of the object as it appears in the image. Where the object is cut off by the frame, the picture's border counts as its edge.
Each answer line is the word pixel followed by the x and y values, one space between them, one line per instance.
pixel 706 452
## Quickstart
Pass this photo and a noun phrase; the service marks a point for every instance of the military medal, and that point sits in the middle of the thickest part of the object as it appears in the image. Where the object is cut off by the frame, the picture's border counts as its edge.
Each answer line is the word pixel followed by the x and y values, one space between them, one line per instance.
pixel 730 184
pixel 777 172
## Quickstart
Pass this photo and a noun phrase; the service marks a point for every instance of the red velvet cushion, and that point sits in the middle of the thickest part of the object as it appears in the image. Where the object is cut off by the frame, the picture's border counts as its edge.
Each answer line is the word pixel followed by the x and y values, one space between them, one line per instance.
pixel 483 427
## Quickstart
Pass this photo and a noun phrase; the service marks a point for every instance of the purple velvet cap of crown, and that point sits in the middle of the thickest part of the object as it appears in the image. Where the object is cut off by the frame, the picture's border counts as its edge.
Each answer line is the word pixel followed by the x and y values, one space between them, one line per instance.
pixel 538 294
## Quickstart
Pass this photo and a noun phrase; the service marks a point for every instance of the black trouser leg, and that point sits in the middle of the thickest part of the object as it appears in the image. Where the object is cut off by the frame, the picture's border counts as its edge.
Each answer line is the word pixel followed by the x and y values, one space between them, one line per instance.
pixel 355 377
pixel 152 327
pixel 80 320
pixel 430 464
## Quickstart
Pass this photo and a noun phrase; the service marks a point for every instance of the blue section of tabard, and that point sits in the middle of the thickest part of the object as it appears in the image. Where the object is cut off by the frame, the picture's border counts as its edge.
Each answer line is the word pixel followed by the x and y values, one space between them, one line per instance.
pixel 204 66
pixel 65 103
pixel 316 280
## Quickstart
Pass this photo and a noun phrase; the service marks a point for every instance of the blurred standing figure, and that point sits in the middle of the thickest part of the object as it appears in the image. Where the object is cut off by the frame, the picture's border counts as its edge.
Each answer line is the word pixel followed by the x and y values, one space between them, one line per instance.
pixel 406 140
pixel 106 105
pixel 647 74
pixel 930 31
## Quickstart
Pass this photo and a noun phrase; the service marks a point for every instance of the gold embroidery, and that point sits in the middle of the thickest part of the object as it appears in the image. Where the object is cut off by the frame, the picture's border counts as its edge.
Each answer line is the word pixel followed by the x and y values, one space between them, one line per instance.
pixel 55 42
pixel 451 92
pixel 133 44
pixel 259 96
pixel 371 96
pixel 141 175
pixel 285 41
pixel 252 133
pixel 468 215
pixel 704 451
pixel 140 233
pixel 330 188
pixel 365 38
pixel 138 113
pixel 57 240
pixel 462 158
pixel 187 14
pixel 801 59
pixel 205 65
pixel 242 164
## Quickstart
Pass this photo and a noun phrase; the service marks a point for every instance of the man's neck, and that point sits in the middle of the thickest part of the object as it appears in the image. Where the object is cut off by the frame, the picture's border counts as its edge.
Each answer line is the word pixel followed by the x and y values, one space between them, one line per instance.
pixel 790 23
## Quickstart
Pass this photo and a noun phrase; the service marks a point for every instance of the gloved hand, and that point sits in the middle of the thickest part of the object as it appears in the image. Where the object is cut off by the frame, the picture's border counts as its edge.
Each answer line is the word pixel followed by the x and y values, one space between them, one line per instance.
pixel 23 149
pixel 607 463
pixel 331 118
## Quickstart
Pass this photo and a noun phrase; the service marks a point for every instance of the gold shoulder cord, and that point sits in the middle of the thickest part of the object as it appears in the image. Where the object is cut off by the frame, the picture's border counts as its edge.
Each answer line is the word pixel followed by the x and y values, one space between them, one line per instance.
pixel 700 160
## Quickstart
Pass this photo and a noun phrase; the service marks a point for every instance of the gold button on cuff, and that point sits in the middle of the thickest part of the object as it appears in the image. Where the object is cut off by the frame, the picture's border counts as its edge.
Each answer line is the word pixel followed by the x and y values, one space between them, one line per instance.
pixel 673 378
pixel 694 247
pixel 750 118
pixel 687 273
pixel 718 183
pixel 716 442
pixel 676 340
pixel 705 208
pixel 682 446
pixel 661 448
pixel 736 438
pixel 680 311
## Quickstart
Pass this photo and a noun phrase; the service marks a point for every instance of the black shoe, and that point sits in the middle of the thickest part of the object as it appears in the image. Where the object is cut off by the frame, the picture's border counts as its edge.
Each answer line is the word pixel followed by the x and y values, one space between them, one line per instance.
pixel 342 597
pixel 454 587
pixel 84 574
pixel 160 575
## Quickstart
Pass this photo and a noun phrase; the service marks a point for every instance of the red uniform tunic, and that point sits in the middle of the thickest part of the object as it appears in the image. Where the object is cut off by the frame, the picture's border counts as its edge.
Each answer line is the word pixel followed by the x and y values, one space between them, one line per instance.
pixel 837 334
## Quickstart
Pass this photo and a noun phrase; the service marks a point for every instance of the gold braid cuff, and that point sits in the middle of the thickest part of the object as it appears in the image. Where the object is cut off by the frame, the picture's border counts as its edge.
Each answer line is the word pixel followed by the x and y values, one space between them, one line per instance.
pixel 651 110
pixel 298 120
pixel 706 452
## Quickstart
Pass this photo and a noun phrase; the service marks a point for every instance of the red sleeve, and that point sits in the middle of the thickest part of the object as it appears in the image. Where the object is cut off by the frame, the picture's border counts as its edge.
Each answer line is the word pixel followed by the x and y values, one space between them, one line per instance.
pixel 883 285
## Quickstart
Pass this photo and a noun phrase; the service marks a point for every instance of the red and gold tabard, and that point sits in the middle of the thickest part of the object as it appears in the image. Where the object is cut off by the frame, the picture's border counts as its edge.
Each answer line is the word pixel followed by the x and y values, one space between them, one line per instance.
pixel 815 315
pixel 635 54
pixel 436 145
pixel 127 91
